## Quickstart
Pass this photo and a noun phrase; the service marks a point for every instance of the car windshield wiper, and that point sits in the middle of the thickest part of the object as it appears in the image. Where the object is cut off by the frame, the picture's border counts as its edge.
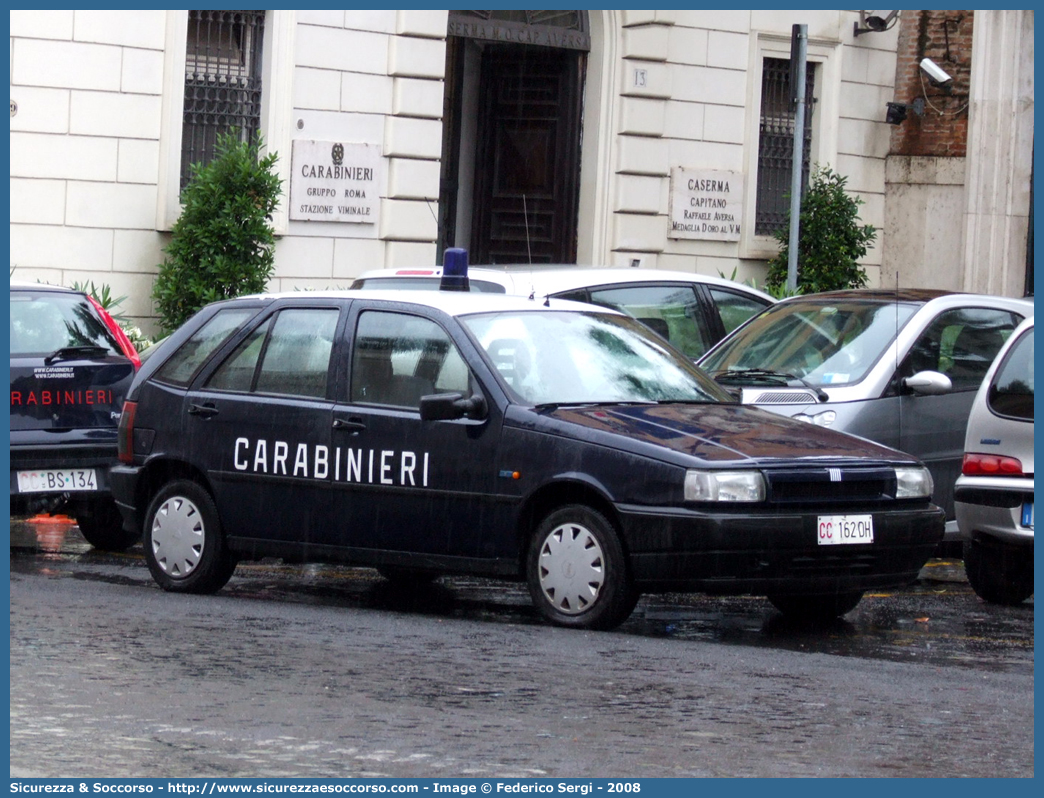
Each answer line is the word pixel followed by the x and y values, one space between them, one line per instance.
pixel 68 352
pixel 685 401
pixel 740 376
pixel 546 406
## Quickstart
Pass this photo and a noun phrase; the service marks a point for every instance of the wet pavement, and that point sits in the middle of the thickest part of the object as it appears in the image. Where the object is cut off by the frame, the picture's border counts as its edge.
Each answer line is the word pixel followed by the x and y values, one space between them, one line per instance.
pixel 321 670
pixel 939 620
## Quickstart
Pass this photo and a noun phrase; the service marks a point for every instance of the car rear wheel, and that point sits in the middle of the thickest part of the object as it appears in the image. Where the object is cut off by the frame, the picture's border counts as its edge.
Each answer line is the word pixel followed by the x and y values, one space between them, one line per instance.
pixel 102 526
pixel 577 571
pixel 816 608
pixel 184 545
pixel 997 573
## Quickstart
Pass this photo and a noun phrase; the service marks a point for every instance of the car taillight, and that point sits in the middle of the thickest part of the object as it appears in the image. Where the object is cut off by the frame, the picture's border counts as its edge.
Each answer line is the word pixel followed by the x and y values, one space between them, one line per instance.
pixel 117 331
pixel 990 465
pixel 125 434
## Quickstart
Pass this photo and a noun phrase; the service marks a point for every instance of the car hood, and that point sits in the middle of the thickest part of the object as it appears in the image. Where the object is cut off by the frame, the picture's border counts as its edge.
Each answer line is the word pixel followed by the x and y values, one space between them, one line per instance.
pixel 713 433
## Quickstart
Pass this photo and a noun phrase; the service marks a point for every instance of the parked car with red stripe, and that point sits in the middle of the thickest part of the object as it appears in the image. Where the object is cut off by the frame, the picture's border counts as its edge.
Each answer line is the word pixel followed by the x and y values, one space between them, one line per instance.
pixel 71 366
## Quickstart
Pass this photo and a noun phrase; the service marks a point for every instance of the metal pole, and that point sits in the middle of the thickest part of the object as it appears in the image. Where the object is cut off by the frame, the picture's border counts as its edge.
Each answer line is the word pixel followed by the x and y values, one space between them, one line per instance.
pixel 799 51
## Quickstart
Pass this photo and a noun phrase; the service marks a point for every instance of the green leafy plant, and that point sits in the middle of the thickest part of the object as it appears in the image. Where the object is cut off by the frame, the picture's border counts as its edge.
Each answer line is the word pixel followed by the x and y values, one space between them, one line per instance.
pixel 774 291
pixel 103 296
pixel 831 240
pixel 223 244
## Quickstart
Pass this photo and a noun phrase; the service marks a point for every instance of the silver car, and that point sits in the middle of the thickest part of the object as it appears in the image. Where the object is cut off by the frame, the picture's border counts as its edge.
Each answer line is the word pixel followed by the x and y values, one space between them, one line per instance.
pixel 691 311
pixel 994 494
pixel 900 368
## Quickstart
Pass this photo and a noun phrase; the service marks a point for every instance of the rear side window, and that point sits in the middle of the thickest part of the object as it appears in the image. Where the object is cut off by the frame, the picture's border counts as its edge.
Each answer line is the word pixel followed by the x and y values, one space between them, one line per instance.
pixel 287 355
pixel 962 344
pixel 46 321
pixel 1011 393
pixel 735 308
pixel 671 311
pixel 180 367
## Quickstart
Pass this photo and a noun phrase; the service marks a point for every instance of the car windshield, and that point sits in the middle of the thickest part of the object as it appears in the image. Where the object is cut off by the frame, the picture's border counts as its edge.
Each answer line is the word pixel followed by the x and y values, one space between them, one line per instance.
pixel 573 357
pixel 45 322
pixel 816 342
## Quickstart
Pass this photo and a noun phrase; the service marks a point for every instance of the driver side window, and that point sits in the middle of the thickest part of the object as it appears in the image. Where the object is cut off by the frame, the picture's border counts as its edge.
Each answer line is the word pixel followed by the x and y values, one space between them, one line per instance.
pixel 398 358
pixel 961 344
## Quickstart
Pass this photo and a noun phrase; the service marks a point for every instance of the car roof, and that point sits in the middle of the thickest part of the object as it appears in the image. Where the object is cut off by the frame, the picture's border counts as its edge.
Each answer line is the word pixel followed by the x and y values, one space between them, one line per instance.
pixel 453 303
pixel 568 278
pixel 919 295
pixel 552 278
pixel 24 285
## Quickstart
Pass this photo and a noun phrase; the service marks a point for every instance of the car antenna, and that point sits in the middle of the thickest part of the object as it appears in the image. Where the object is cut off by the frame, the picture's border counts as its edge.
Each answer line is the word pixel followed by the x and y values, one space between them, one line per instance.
pixel 895 346
pixel 525 215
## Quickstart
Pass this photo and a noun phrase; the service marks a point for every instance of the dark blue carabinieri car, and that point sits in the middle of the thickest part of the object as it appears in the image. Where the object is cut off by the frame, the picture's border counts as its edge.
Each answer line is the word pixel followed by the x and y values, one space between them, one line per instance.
pixel 433 433
pixel 71 366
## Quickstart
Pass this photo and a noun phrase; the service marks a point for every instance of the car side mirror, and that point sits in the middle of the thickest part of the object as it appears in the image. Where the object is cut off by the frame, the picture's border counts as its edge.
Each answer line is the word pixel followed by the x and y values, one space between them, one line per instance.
pixel 451 406
pixel 928 383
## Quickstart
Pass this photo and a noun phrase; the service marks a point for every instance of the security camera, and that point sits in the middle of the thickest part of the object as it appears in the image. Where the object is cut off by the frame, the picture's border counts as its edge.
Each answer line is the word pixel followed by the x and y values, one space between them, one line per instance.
pixel 936 74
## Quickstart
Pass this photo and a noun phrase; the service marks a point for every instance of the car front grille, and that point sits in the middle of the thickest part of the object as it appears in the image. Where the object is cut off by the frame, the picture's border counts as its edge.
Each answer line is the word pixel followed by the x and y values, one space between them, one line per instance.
pixel 831 485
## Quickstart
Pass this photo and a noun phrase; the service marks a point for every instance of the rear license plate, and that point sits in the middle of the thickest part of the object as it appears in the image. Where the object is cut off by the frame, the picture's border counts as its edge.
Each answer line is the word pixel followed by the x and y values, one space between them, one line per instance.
pixel 1027 515
pixel 57 479
pixel 835 530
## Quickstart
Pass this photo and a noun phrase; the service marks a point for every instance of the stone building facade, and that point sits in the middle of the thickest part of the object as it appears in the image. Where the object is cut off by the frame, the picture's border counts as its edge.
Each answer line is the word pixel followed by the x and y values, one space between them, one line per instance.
pixel 638 138
pixel 959 174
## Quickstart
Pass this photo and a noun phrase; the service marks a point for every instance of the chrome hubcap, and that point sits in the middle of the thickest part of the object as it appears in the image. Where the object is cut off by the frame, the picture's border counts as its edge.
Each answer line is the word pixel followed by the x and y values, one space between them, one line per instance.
pixel 177 537
pixel 572 568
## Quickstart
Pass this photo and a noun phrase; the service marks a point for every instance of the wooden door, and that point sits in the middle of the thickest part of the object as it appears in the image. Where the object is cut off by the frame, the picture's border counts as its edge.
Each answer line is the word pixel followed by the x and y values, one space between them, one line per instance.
pixel 528 156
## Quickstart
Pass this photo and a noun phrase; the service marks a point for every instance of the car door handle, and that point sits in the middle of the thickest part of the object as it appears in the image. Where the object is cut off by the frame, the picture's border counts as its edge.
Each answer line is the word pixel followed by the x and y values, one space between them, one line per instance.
pixel 353 426
pixel 205 411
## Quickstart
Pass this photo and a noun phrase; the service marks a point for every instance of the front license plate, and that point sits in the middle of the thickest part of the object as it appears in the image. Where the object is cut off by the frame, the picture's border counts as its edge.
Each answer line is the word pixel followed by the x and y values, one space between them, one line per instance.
pixel 1027 515
pixel 57 479
pixel 835 530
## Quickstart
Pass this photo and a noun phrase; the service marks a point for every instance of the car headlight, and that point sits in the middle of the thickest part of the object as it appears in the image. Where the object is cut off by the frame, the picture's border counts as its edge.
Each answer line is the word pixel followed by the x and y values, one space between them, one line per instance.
pixel 724 486
pixel 913 482
pixel 824 419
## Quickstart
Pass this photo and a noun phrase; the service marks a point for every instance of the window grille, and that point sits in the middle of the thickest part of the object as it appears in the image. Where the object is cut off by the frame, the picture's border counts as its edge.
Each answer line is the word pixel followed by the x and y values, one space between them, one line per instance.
pixel 776 143
pixel 222 81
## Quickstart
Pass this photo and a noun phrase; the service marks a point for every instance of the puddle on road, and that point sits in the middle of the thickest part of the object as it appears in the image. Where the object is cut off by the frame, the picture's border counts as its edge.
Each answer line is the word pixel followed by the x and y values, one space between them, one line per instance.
pixel 938 620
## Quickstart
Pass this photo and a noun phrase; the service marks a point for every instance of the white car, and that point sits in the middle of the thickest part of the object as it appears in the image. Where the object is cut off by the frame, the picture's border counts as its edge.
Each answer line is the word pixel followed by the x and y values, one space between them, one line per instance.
pixel 692 311
pixel 994 494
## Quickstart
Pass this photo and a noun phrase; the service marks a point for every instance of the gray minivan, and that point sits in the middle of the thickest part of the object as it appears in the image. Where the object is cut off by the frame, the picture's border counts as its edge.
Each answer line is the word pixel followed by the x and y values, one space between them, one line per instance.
pixel 899 368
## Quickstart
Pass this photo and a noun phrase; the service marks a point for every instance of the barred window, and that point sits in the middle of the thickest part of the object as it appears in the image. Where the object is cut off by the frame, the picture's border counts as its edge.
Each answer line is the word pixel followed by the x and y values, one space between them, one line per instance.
pixel 776 143
pixel 222 81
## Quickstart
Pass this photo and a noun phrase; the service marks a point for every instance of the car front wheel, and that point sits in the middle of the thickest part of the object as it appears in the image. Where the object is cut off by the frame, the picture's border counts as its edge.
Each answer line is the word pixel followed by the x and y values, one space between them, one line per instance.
pixel 997 573
pixel 577 571
pixel 184 545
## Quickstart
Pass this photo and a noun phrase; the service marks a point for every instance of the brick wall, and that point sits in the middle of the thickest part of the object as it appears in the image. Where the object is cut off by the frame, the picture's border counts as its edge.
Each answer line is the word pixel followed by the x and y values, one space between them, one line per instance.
pixel 946 38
